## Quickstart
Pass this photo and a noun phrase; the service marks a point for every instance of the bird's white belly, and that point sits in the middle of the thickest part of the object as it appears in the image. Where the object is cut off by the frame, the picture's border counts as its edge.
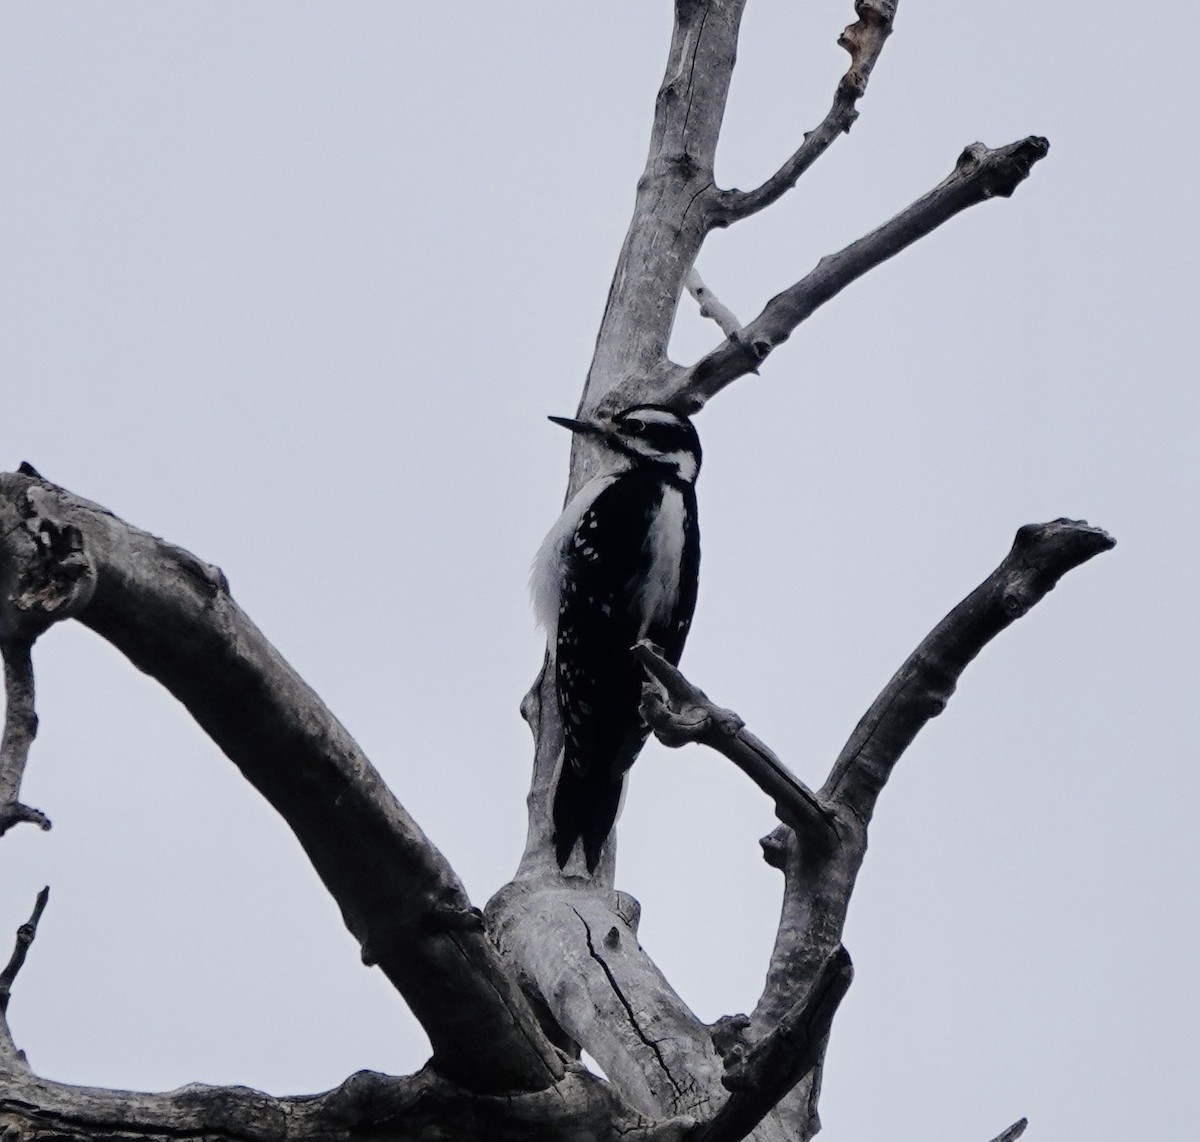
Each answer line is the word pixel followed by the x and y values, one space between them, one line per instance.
pixel 659 590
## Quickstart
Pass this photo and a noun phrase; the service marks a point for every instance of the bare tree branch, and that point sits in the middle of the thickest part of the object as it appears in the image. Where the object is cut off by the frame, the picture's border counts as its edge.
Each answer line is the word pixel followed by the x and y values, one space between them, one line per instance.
pixel 10 1058
pixel 1013 1132
pixel 821 856
pixel 26 934
pixel 711 305
pixel 681 713
pixel 20 728
pixel 559 964
pixel 981 173
pixel 820 864
pixel 1041 554
pixel 629 364
pixel 817 886
pixel 671 213
pixel 580 1108
pixel 173 617
pixel 864 41
pixel 45 577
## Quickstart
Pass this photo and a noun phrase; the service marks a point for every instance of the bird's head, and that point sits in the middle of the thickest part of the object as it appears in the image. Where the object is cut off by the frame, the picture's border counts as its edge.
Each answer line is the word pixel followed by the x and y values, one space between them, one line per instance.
pixel 646 434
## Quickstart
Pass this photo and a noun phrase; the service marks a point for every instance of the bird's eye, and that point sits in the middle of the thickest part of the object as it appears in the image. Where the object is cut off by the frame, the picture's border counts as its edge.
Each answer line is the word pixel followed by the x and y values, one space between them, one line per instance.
pixel 635 427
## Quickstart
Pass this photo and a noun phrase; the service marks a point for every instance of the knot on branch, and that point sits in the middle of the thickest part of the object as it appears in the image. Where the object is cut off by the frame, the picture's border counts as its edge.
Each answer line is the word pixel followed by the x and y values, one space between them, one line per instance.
pixel 677 1129
pixel 864 41
pixel 18 813
pixel 999 172
pixel 444 918
pixel 729 1038
pixel 674 709
pixel 776 845
pixel 677 723
pixel 792 1048
pixel 1043 540
pixel 629 908
pixel 46 574
pixel 1042 553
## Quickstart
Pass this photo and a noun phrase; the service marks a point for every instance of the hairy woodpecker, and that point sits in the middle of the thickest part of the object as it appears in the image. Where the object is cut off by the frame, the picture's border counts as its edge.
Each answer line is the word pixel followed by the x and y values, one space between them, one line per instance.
pixel 620 565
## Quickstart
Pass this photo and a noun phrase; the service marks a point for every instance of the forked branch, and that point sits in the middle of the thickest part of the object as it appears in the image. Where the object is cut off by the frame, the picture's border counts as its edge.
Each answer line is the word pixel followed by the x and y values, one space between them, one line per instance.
pixel 173 617
pixel 980 173
pixel 821 848
pixel 864 40
pixel 817 893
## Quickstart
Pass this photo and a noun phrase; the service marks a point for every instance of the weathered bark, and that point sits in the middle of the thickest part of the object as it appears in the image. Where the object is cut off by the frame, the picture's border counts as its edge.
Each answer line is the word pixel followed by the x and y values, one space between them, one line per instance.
pixel 579 1108
pixel 823 841
pixel 864 40
pixel 509 997
pixel 173 617
pixel 678 204
pixel 821 846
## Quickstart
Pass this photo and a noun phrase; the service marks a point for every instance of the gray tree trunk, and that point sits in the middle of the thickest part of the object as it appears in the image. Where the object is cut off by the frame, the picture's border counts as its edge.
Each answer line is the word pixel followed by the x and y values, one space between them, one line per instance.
pixel 510 994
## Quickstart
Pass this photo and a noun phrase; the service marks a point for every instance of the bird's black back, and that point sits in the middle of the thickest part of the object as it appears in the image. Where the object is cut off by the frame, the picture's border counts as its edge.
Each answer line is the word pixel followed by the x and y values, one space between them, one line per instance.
pixel 598 680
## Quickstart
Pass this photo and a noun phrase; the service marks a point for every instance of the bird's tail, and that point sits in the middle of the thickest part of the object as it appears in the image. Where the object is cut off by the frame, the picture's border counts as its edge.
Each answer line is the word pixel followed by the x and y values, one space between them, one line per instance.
pixel 585 806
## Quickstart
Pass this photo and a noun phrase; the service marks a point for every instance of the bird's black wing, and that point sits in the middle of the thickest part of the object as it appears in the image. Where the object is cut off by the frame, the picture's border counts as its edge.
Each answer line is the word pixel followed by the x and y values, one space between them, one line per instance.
pixel 598 680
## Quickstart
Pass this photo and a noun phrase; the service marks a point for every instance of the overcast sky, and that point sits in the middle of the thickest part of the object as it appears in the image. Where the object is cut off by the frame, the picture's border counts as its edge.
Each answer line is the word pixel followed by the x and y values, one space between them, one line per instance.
pixel 295 286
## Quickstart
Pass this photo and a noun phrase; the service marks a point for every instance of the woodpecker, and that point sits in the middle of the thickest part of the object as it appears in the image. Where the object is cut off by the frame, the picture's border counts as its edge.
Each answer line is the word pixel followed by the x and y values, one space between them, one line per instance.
pixel 620 565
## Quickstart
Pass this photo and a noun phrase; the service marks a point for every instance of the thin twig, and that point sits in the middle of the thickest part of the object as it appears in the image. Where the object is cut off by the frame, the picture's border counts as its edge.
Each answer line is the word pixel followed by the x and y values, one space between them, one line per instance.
pixel 20 728
pixel 864 41
pixel 10 1057
pixel 980 173
pixel 25 936
pixel 1013 1132
pixel 680 713
pixel 711 305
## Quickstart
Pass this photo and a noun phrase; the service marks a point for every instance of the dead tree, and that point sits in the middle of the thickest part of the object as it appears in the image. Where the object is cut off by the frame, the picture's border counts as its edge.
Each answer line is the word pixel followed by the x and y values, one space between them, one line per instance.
pixel 510 994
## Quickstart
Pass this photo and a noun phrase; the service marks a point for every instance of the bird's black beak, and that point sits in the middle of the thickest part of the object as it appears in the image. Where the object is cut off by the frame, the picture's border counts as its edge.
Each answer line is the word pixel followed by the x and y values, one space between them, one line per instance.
pixel 584 427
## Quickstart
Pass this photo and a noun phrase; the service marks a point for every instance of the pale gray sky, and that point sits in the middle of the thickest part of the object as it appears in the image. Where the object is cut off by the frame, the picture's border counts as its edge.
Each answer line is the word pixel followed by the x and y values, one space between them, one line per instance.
pixel 295 285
